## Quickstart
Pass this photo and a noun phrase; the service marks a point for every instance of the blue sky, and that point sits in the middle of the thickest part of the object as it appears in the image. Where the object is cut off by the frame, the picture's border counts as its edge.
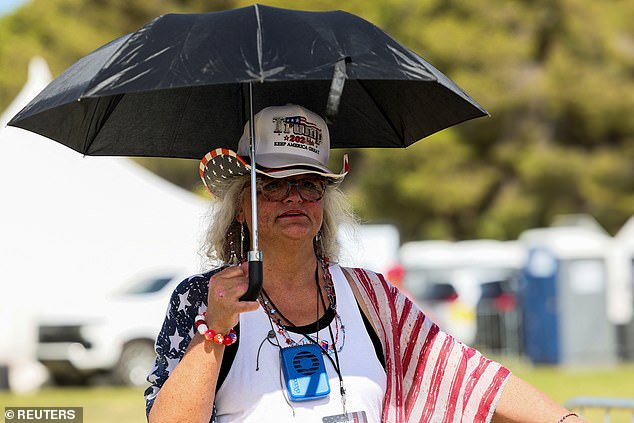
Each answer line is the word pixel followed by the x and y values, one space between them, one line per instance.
pixel 7 6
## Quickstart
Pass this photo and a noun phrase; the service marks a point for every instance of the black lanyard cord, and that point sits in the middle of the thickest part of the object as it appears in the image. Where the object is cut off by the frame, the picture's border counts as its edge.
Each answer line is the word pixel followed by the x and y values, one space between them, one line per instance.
pixel 337 367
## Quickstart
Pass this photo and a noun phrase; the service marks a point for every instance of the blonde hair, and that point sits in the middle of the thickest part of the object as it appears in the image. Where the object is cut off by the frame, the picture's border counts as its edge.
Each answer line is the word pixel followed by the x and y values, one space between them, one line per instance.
pixel 223 233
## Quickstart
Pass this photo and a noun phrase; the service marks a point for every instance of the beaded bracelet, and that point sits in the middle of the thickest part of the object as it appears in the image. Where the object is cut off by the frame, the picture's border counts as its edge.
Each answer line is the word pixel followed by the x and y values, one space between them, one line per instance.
pixel 211 335
pixel 566 416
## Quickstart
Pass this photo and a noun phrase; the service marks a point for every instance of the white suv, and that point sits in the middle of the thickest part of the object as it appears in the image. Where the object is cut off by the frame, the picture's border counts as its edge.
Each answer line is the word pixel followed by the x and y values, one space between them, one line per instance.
pixel 114 337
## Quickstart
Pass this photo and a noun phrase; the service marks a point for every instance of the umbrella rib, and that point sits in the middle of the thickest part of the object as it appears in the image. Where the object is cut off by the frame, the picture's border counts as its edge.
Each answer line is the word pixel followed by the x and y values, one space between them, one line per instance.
pixel 259 41
pixel 383 114
pixel 87 140
pixel 112 102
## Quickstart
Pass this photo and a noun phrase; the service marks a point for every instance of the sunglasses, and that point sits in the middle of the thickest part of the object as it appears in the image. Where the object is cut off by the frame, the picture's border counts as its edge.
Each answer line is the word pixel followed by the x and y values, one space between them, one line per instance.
pixel 309 189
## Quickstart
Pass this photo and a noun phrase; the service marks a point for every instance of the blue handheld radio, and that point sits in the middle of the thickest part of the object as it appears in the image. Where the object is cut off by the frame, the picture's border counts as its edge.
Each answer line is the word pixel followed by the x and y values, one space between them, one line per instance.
pixel 304 372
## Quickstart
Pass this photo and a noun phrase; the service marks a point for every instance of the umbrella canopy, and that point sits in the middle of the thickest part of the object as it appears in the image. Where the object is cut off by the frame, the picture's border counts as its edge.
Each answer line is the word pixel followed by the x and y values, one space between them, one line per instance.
pixel 178 87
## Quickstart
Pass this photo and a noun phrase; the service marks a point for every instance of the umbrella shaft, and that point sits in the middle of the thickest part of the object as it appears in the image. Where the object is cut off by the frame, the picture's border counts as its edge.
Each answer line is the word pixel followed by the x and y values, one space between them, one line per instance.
pixel 255 256
pixel 254 204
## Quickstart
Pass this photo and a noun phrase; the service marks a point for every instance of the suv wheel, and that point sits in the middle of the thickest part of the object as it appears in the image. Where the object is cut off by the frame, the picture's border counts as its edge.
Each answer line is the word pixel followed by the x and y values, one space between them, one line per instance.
pixel 136 361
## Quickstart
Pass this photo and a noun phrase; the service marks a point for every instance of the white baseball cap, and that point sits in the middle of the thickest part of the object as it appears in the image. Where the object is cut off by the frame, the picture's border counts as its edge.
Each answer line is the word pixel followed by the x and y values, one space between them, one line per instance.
pixel 289 140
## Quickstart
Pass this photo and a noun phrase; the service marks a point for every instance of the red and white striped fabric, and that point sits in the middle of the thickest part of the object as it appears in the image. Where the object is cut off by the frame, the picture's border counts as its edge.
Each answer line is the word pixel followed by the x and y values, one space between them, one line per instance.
pixel 431 377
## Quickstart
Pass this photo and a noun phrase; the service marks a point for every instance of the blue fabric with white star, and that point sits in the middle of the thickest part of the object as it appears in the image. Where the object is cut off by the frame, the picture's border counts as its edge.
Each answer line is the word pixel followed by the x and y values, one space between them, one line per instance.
pixel 188 300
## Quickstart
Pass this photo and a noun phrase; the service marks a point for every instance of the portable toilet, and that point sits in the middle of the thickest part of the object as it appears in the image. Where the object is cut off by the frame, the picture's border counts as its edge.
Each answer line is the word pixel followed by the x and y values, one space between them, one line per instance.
pixel 622 299
pixel 563 292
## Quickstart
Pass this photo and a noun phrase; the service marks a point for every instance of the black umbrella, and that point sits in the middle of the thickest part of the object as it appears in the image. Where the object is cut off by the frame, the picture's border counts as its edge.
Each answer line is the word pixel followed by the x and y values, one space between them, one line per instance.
pixel 185 84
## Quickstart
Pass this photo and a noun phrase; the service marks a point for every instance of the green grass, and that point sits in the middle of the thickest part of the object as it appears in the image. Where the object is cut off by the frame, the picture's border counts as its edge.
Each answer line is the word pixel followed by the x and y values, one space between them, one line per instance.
pixel 562 384
pixel 125 405
pixel 101 404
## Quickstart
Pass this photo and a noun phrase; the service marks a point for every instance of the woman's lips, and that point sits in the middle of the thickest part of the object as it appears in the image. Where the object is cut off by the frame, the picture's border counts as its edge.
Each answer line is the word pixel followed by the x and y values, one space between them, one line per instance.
pixel 292 213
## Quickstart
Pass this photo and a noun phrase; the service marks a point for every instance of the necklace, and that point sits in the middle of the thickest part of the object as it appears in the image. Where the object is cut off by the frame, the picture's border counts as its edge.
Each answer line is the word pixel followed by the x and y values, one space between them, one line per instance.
pixel 276 316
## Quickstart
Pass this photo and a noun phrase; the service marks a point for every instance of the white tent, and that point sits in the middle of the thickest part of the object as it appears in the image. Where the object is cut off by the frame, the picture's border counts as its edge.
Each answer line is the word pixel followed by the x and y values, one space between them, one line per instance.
pixel 74 228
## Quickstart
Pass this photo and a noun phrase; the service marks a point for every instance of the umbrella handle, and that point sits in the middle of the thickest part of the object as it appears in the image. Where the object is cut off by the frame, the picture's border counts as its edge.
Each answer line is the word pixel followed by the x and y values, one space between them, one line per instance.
pixel 255 277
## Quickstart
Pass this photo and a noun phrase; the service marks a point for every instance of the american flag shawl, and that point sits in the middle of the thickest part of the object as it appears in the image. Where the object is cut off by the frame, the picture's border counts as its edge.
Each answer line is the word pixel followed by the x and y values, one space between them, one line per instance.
pixel 430 376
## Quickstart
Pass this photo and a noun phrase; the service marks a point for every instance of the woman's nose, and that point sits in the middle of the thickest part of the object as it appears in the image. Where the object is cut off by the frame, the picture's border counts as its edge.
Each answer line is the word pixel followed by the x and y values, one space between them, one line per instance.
pixel 293 194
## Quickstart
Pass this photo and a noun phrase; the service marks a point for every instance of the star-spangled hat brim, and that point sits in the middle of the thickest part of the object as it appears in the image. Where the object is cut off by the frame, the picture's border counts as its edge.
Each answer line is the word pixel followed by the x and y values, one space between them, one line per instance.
pixel 222 164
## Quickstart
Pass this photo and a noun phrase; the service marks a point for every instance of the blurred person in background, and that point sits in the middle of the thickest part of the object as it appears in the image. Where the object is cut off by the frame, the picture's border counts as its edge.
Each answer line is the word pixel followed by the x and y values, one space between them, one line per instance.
pixel 367 351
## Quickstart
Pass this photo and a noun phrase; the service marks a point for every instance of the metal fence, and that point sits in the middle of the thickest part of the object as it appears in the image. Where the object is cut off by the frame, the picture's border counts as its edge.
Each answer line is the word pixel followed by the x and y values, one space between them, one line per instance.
pixel 498 332
pixel 607 405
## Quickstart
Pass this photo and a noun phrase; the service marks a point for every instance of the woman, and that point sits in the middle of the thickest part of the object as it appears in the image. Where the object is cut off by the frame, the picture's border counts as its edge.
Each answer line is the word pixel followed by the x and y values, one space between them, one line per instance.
pixel 322 343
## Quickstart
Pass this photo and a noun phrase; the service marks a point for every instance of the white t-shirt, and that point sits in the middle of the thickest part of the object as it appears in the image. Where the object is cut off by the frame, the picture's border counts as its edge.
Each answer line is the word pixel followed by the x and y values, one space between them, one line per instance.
pixel 250 395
